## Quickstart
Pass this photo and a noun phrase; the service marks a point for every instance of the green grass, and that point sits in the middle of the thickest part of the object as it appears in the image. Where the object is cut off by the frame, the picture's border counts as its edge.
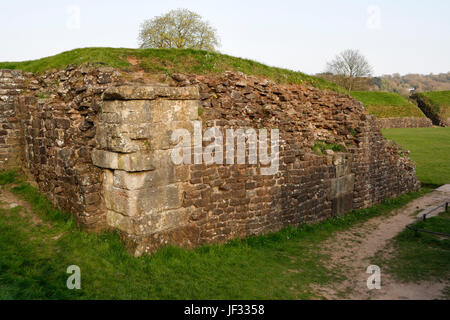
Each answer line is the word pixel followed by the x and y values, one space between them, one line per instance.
pixel 420 256
pixel 439 101
pixel 168 61
pixel 387 104
pixel 430 149
pixel 282 265
pixel 320 147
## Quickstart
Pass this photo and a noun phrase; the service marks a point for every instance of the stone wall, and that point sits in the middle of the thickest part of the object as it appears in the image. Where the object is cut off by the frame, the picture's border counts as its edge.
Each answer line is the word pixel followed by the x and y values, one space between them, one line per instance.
pixel 142 188
pixel 57 113
pixel 406 122
pixel 153 203
pixel 98 143
pixel 11 85
pixel 430 111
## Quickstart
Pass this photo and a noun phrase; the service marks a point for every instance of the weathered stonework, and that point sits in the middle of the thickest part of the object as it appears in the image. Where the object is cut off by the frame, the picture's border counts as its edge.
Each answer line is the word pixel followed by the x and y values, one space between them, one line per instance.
pixel 406 122
pixel 426 106
pixel 98 143
pixel 11 85
pixel 142 188
pixel 57 112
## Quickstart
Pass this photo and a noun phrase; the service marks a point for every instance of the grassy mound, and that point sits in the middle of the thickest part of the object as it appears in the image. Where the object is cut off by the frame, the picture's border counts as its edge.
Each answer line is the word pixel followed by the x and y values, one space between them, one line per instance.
pixel 438 101
pixel 387 104
pixel 168 61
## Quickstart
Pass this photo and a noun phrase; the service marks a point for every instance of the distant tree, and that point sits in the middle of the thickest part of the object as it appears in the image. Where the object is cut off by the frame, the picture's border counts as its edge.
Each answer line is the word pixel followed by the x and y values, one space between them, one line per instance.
pixel 348 67
pixel 180 29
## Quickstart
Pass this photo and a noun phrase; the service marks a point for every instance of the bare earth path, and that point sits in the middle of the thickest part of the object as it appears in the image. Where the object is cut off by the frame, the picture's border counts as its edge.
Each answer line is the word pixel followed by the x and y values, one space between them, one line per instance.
pixel 354 248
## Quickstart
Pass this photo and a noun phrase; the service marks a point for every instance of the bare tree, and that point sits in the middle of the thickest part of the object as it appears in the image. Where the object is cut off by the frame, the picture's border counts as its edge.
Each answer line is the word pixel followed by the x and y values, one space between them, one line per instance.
pixel 348 67
pixel 180 29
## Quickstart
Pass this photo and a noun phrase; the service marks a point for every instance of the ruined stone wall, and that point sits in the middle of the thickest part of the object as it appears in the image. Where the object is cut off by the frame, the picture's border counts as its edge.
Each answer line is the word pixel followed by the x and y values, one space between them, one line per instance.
pixel 11 85
pixel 430 111
pixel 406 122
pixel 195 204
pixel 57 114
pixel 98 143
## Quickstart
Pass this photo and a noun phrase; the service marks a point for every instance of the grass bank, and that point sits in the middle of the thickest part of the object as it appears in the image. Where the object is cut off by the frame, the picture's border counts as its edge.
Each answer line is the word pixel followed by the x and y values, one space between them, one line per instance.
pixel 282 265
pixel 430 149
pixel 437 101
pixel 168 61
pixel 387 104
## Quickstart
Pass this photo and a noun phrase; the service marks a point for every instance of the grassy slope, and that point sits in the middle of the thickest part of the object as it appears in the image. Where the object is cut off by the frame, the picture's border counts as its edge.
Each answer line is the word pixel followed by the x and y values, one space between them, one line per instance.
pixel 168 61
pixel 282 265
pixel 439 100
pixel 387 104
pixel 430 149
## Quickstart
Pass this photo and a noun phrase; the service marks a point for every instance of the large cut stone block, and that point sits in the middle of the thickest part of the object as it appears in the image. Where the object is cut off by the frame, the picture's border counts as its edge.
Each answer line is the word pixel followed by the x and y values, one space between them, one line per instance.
pixel 122 137
pixel 342 185
pixel 149 179
pixel 341 194
pixel 133 162
pixel 138 111
pixel 151 93
pixel 342 204
pixel 145 201
pixel 127 111
pixel 161 134
pixel 166 111
pixel 119 221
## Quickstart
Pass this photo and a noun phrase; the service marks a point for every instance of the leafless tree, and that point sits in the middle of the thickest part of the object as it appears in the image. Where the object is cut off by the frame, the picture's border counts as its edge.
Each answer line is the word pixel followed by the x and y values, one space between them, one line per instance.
pixel 349 66
pixel 180 29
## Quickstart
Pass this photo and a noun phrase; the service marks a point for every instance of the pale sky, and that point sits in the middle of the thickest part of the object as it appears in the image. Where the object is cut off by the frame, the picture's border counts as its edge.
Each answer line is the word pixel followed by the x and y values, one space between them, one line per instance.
pixel 395 36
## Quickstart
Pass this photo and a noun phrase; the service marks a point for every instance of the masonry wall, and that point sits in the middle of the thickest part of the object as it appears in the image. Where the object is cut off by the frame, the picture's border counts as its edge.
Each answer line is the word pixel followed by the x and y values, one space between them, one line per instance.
pixel 426 106
pixel 98 143
pixel 405 122
pixel 11 85
pixel 198 204
pixel 57 114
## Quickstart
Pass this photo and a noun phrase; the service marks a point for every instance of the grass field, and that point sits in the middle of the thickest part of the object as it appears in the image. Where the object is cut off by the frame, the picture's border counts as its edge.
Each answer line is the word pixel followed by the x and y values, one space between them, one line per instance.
pixel 439 102
pixel 387 104
pixel 430 149
pixel 34 258
pixel 168 61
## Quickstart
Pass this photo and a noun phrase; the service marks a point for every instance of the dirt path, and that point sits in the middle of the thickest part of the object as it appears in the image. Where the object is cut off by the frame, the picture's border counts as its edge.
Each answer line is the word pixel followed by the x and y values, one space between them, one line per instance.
pixel 9 200
pixel 354 248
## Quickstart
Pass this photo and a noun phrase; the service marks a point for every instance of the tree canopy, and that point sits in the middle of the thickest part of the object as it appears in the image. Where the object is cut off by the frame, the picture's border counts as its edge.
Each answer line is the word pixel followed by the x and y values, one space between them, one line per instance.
pixel 181 29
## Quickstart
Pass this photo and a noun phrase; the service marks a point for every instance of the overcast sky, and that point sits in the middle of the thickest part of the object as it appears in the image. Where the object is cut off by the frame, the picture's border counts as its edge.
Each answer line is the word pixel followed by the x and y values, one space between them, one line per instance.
pixel 395 36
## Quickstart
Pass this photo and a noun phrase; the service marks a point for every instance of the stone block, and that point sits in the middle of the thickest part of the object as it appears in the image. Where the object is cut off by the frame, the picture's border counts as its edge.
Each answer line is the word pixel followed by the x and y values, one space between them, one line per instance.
pixel 133 162
pixel 166 111
pixel 121 107
pixel 143 202
pixel 149 179
pixel 161 134
pixel 120 222
pixel 342 204
pixel 342 185
pixel 151 93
